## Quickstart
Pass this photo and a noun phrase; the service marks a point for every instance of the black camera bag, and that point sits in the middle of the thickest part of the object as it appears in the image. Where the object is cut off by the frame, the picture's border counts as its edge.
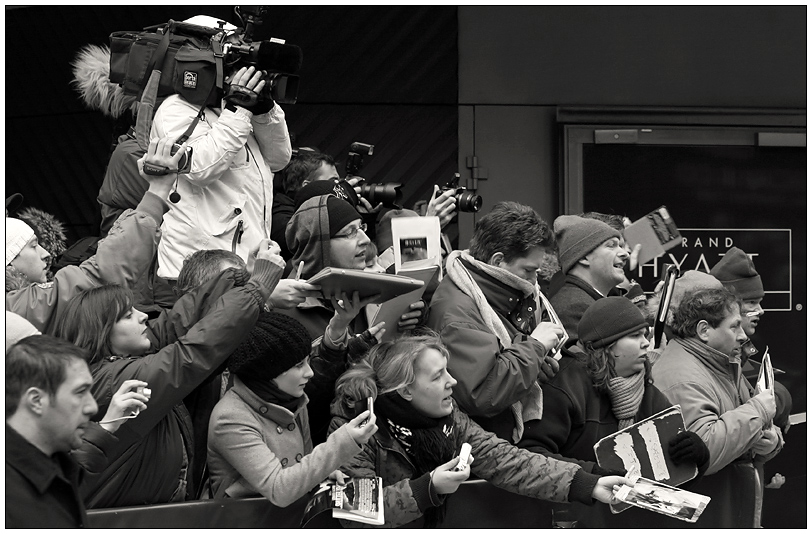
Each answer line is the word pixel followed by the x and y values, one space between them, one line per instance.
pixel 189 59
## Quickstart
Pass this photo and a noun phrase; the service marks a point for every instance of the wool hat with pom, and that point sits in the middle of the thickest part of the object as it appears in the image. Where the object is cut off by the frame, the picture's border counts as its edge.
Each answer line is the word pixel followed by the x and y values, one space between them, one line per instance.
pixel 738 274
pixel 576 237
pixel 18 234
pixel 275 344
pixel 609 319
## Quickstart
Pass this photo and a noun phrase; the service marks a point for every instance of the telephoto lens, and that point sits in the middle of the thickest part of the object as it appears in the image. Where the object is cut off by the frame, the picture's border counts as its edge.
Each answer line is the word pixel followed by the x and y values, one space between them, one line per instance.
pixel 389 194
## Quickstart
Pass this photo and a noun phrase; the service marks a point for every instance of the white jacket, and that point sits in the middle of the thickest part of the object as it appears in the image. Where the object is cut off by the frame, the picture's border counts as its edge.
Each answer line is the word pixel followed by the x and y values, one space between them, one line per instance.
pixel 230 186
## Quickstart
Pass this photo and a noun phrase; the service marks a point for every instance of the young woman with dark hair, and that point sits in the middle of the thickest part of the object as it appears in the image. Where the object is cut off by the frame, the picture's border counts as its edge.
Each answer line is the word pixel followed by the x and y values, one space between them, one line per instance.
pixel 206 325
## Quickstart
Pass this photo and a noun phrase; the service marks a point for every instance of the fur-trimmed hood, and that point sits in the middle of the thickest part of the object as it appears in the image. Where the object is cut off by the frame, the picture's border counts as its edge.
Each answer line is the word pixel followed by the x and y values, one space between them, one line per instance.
pixel 91 71
pixel 50 233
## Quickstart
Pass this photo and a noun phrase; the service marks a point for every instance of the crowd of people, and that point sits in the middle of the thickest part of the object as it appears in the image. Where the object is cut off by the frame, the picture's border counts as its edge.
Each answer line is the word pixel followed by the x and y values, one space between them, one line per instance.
pixel 221 373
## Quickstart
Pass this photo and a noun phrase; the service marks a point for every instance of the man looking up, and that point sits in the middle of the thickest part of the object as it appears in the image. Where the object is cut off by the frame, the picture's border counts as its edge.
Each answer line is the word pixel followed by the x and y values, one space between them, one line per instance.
pixel 700 370
pixel 493 318
pixel 592 256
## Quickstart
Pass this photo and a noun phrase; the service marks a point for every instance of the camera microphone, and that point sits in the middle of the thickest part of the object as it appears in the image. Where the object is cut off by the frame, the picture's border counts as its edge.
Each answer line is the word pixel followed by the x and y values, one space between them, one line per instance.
pixel 276 57
pixel 271 56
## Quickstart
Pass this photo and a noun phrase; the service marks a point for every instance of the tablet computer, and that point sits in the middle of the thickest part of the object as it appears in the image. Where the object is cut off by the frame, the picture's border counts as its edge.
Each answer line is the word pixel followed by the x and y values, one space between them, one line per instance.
pixel 334 282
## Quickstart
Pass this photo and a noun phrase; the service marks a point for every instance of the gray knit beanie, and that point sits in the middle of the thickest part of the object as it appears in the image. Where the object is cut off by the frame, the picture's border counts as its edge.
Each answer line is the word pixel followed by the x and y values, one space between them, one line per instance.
pixel 576 237
pixel 738 274
pixel 609 319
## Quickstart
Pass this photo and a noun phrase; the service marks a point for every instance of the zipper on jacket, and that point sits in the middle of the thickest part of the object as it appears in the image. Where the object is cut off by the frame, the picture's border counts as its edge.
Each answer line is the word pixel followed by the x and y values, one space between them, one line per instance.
pixel 237 237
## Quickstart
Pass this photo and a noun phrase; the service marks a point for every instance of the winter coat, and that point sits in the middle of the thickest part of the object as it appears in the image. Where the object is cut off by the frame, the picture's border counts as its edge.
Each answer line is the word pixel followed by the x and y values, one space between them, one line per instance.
pixel 121 258
pixel 226 197
pixel 716 404
pixel 256 447
pixel 571 302
pixel 495 460
pixel 44 492
pixel 122 187
pixel 283 209
pixel 576 417
pixel 490 378
pixel 308 236
pixel 155 448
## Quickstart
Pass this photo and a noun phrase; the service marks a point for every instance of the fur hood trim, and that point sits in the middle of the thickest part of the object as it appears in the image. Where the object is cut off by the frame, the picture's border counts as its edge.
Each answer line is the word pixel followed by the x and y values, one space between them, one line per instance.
pixel 91 71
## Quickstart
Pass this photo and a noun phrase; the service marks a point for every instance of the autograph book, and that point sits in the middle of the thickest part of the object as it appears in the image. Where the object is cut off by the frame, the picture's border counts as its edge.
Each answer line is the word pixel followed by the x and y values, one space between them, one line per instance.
pixel 358 499
pixel 656 232
pixel 334 282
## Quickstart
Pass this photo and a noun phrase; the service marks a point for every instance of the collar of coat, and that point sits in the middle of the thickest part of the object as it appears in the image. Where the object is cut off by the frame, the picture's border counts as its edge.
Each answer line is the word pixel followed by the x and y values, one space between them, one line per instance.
pixel 35 465
pixel 724 364
pixel 272 412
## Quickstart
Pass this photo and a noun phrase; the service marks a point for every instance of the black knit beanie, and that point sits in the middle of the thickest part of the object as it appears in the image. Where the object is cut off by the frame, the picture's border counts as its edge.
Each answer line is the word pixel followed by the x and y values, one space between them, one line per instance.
pixel 340 214
pixel 275 344
pixel 609 319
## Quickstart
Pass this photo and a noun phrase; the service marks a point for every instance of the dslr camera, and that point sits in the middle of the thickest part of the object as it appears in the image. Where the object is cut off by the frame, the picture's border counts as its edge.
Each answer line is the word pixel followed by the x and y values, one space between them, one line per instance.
pixel 467 201
pixel 388 193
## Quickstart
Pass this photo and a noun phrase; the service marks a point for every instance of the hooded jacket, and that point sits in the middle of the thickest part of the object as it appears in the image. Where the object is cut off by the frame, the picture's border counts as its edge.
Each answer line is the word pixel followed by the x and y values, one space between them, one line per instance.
pixel 308 237
pixel 495 460
pixel 716 404
pixel 122 258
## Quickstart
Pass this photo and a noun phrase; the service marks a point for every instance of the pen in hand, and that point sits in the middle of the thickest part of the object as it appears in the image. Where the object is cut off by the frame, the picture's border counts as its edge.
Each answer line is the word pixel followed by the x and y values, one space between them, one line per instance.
pixel 299 271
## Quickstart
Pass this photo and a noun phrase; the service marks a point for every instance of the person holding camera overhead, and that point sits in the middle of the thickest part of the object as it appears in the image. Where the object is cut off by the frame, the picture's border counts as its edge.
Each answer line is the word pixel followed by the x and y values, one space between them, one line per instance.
pixel 227 193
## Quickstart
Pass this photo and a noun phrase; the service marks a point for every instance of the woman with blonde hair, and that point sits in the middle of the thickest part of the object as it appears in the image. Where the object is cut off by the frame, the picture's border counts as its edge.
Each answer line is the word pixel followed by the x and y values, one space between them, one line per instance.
pixel 420 431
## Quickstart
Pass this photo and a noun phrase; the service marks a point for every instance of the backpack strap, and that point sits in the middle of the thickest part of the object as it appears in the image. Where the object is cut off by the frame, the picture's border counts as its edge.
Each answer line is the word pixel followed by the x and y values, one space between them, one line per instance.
pixel 160 52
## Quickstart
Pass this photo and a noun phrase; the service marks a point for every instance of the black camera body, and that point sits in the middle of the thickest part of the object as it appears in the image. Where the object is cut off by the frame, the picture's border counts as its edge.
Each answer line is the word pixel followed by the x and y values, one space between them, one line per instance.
pixel 467 200
pixel 389 193
pixel 185 161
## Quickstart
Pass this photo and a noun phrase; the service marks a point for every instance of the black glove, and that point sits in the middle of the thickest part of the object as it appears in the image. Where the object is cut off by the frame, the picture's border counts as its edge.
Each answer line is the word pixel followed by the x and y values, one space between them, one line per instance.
pixel 358 346
pixel 688 447
pixel 237 95
pixel 603 472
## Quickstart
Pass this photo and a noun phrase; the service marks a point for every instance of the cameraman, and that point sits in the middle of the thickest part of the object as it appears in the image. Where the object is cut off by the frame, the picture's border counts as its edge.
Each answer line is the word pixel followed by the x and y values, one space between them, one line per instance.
pixel 226 196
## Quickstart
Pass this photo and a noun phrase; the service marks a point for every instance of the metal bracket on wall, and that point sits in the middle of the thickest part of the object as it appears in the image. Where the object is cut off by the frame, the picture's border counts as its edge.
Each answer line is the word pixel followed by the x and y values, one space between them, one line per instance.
pixel 615 136
pixel 477 172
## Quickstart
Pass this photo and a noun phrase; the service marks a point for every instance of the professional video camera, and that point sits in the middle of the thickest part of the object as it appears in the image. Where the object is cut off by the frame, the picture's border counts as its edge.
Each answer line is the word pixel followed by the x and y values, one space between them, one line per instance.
pixel 194 56
pixel 278 60
pixel 389 193
pixel 467 201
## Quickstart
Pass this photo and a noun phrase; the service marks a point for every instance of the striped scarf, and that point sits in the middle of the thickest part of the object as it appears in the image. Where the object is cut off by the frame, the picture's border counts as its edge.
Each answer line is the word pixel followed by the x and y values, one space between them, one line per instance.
pixel 626 394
